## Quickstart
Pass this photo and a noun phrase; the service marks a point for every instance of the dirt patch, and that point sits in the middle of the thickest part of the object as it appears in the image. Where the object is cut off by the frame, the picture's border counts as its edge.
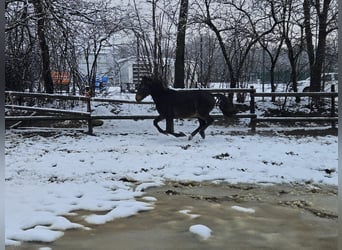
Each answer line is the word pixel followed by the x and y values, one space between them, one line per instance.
pixel 286 216
pixel 321 200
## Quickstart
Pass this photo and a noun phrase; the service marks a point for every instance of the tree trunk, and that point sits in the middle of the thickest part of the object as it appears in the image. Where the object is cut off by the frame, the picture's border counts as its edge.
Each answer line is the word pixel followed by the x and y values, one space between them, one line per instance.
pixel 293 62
pixel 48 84
pixel 180 47
pixel 273 87
pixel 316 57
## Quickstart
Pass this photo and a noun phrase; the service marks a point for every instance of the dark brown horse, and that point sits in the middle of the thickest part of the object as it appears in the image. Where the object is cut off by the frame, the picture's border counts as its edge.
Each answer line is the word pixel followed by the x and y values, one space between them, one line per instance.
pixel 172 104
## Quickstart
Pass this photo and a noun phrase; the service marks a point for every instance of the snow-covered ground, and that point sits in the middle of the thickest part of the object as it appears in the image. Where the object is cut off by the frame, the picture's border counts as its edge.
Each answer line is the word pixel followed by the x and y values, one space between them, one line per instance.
pixel 50 177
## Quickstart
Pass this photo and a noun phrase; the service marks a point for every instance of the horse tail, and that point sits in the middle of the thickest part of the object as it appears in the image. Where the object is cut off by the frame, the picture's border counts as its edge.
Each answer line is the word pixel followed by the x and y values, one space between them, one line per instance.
pixel 225 104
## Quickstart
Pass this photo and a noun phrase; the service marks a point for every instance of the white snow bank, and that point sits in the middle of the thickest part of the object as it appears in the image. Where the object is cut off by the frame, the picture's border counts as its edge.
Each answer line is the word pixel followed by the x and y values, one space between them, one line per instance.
pixel 39 233
pixel 123 209
pixel 29 207
pixel 203 231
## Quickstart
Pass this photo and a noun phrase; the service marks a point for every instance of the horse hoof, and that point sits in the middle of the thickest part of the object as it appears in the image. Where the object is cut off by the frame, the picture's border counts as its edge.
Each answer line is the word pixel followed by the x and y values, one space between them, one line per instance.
pixel 182 134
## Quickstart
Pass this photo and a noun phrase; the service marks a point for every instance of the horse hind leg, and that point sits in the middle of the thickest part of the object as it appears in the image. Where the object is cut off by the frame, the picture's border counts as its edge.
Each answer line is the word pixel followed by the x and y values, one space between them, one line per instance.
pixel 202 133
pixel 208 121
pixel 202 124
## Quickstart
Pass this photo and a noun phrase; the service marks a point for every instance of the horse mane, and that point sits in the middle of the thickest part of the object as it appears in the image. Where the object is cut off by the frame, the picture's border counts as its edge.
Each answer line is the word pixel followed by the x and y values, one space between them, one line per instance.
pixel 154 82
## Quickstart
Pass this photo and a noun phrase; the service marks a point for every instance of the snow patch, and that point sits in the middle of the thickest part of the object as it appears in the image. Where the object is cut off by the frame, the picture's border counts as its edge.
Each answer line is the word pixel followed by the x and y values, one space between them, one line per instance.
pixel 149 198
pixel 188 213
pixel 243 209
pixel 142 187
pixel 203 231
pixel 39 233
pixel 124 209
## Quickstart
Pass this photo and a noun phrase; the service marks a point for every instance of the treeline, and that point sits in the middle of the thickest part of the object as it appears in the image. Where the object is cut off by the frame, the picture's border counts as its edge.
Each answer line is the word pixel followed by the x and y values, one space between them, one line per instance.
pixel 225 40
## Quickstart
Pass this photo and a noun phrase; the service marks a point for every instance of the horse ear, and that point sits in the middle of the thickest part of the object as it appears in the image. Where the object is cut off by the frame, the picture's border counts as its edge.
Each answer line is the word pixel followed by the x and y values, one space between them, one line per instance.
pixel 146 79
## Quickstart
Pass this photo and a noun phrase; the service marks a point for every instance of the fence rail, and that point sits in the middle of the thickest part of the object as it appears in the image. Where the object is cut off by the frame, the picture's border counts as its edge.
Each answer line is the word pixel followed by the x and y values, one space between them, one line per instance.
pixel 47 110
pixel 44 95
pixel 294 94
pixel 60 114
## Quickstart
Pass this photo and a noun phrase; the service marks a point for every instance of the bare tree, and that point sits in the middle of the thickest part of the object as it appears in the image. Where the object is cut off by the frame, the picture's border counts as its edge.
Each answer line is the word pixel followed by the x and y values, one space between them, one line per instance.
pixel 33 25
pixel 288 15
pixel 204 51
pixel 21 50
pixel 273 42
pixel 180 47
pixel 96 23
pixel 57 27
pixel 154 31
pixel 54 33
pixel 323 15
pixel 238 27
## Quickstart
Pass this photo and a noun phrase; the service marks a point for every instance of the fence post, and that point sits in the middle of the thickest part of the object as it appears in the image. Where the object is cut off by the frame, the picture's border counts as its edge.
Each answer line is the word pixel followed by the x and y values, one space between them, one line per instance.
pixel 90 124
pixel 332 114
pixel 170 126
pixel 252 110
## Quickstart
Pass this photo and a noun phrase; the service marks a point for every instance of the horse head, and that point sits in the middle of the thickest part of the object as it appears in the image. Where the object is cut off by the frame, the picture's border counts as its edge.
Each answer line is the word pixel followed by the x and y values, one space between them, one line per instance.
pixel 144 88
pixel 147 86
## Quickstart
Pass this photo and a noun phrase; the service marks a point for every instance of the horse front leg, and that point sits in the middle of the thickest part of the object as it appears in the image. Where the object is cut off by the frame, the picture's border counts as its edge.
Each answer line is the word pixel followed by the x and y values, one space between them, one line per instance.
pixel 155 123
pixel 170 128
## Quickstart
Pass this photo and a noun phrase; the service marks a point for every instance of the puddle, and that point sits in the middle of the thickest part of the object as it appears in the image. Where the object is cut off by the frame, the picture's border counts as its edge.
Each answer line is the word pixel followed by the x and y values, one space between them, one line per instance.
pixel 265 217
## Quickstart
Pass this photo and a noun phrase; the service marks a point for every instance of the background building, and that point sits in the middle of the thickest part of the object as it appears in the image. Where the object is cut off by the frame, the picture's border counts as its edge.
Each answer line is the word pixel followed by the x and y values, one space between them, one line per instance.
pixel 104 69
pixel 130 71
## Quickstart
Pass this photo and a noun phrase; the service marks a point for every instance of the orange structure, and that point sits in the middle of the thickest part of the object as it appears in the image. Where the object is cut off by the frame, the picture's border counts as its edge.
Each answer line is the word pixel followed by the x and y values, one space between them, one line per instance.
pixel 60 78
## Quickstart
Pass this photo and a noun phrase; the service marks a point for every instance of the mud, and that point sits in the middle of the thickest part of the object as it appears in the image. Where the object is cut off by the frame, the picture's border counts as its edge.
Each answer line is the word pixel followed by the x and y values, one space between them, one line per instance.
pixel 287 216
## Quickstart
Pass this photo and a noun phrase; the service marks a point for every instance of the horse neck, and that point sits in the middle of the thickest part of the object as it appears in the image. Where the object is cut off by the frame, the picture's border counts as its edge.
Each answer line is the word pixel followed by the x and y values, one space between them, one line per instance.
pixel 157 93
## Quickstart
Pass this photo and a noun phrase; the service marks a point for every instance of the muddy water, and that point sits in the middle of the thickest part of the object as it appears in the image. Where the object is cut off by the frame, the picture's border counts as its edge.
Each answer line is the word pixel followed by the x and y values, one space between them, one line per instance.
pixel 285 217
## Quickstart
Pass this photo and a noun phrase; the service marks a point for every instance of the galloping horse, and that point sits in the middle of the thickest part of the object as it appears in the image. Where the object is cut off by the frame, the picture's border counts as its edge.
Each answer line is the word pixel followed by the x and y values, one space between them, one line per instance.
pixel 171 104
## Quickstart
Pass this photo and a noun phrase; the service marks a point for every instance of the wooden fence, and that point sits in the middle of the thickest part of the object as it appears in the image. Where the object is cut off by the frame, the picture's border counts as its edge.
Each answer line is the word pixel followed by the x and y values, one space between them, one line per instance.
pixel 12 98
pixel 331 95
